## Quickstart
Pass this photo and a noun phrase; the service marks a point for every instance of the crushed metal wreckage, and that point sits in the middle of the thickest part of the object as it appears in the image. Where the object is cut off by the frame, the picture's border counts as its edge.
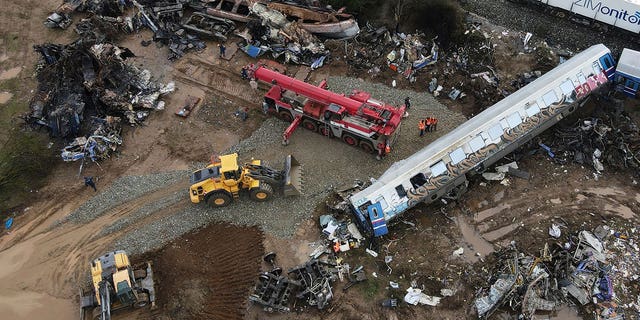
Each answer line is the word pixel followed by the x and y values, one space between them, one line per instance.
pixel 274 33
pixel 88 80
pixel 609 136
pixel 310 282
pixel 584 271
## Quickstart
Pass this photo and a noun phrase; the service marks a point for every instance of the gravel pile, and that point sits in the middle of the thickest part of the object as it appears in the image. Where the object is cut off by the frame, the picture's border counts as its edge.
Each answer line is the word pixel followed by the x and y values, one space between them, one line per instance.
pixel 327 164
pixel 556 31
pixel 122 190
pixel 142 213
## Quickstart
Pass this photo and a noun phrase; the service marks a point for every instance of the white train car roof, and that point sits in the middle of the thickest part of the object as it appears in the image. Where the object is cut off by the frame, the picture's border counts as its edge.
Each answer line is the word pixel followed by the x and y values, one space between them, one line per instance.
pixel 629 63
pixel 420 161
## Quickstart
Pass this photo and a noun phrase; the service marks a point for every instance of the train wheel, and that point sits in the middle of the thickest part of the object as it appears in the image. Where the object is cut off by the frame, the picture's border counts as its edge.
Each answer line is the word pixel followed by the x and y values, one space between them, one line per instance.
pixel 286 115
pixel 310 125
pixel 366 146
pixel 218 199
pixel 349 139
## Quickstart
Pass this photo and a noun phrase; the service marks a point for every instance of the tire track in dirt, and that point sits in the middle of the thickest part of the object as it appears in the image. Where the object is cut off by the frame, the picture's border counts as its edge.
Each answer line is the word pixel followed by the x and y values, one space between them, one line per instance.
pixel 208 274
pixel 202 73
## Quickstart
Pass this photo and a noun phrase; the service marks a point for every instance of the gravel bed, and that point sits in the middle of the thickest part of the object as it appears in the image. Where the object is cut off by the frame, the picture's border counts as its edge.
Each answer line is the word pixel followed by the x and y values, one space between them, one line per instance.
pixel 142 213
pixel 327 164
pixel 122 190
pixel 556 31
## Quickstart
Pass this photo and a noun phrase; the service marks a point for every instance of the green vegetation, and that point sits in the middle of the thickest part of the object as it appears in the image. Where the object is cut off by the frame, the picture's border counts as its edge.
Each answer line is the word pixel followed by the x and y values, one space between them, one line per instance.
pixel 24 162
pixel 370 288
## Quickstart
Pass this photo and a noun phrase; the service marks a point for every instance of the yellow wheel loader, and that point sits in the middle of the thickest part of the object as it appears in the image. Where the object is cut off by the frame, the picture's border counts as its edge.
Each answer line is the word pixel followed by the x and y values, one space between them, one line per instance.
pixel 222 181
pixel 117 285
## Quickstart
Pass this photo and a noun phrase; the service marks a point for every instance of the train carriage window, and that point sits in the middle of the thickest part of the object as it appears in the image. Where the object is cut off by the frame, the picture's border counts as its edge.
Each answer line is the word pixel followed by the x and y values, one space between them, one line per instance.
pixel 418 180
pixel 496 131
pixel 383 203
pixel 401 192
pixel 532 110
pixel 438 169
pixel 567 87
pixel 581 78
pixel 596 67
pixel 549 98
pixel 514 120
pixel 457 155
pixel 476 143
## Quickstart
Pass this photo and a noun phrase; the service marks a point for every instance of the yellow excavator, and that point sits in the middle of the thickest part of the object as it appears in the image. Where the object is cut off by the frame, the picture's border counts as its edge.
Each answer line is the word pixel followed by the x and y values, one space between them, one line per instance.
pixel 223 180
pixel 117 285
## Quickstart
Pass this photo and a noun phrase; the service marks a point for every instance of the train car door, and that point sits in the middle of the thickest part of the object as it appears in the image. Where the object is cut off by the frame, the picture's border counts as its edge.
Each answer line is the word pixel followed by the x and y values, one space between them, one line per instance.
pixel 608 65
pixel 377 219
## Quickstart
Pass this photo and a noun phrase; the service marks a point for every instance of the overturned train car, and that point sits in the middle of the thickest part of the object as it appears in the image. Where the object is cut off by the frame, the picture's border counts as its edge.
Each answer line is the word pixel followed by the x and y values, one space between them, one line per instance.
pixel 441 168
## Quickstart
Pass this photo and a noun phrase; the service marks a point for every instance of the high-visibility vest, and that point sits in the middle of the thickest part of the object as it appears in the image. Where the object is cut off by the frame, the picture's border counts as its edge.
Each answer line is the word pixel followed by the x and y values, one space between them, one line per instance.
pixel 421 125
pixel 429 121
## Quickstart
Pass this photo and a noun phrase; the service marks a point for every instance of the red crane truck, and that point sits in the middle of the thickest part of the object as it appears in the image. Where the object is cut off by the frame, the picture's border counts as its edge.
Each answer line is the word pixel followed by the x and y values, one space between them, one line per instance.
pixel 357 119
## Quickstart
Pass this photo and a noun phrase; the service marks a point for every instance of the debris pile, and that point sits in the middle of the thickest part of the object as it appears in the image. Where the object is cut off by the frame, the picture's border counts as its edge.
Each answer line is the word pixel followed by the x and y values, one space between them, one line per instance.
pixel 283 38
pixel 588 269
pixel 90 80
pixel 610 136
pixel 310 282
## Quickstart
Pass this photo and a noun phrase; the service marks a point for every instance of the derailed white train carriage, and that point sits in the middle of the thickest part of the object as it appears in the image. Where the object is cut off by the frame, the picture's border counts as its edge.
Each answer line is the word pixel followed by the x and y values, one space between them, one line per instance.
pixel 441 168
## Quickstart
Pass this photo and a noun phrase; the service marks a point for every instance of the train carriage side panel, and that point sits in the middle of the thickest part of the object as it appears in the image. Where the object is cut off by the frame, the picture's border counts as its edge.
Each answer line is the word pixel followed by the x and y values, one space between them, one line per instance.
pixel 442 166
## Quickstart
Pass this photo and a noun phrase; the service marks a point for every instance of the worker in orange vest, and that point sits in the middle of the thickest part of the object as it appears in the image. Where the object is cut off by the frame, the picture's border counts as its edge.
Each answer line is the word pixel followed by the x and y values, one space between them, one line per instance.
pixel 428 124
pixel 435 124
pixel 421 127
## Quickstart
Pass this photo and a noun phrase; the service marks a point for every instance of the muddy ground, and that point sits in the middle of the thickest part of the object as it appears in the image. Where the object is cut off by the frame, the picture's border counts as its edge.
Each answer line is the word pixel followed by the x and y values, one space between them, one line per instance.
pixel 208 274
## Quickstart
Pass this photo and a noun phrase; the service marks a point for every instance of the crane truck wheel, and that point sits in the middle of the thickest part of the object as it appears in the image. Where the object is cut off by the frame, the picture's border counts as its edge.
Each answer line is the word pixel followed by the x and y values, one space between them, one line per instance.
pixel 218 199
pixel 285 115
pixel 261 193
pixel 349 139
pixel 310 125
pixel 366 146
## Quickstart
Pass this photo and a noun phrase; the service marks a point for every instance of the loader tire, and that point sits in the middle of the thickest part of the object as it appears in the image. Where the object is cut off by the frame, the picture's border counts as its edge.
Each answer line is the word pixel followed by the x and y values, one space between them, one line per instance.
pixel 262 193
pixel 143 300
pixel 139 274
pixel 218 199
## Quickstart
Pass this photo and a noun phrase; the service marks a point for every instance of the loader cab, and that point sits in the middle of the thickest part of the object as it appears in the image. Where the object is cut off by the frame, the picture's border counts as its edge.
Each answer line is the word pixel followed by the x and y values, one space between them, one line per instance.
pixel 123 288
pixel 229 167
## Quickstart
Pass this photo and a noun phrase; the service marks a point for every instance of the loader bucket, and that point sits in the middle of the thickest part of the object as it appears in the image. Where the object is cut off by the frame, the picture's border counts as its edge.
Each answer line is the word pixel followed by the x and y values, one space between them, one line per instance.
pixel 293 177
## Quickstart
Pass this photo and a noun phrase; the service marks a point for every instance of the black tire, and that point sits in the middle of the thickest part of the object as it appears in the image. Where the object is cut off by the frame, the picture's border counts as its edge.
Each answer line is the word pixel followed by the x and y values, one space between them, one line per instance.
pixel 262 193
pixel 143 300
pixel 325 131
pixel 310 125
pixel 349 139
pixel 366 146
pixel 139 274
pixel 218 199
pixel 285 115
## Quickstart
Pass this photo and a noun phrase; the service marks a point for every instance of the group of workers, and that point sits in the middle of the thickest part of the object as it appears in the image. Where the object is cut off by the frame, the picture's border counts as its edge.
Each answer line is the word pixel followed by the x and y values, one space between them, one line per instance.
pixel 428 125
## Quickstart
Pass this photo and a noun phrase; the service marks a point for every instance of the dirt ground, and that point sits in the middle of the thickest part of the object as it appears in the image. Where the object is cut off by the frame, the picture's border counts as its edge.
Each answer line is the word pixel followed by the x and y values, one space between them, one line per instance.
pixel 208 274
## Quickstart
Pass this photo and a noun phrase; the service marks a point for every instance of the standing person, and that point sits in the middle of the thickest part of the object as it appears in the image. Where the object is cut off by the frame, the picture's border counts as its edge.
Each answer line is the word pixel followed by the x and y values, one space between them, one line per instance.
pixel 435 124
pixel 427 122
pixel 244 74
pixel 407 102
pixel 223 49
pixel 88 182
pixel 421 127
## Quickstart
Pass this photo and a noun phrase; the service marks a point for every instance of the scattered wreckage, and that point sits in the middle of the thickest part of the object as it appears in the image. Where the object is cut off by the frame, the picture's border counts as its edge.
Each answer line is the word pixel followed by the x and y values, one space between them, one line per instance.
pixel 322 22
pixel 88 80
pixel 310 282
pixel 581 270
